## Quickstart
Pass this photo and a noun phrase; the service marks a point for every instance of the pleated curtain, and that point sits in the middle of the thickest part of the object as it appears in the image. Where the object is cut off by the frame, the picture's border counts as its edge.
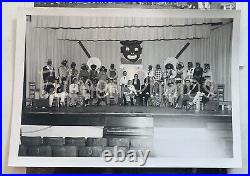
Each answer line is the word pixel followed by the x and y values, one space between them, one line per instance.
pixel 42 44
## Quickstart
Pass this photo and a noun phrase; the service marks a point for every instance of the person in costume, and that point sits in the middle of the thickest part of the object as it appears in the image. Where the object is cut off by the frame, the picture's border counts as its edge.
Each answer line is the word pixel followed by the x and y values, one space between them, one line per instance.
pixel 48 72
pixel 84 73
pixel 63 71
pixel 73 72
pixel 198 72
pixel 112 74
pixel 93 74
pixel 150 71
pixel 112 92
pixel 158 73
pixel 145 92
pixel 190 71
pixel 73 91
pixel 102 75
pixel 129 93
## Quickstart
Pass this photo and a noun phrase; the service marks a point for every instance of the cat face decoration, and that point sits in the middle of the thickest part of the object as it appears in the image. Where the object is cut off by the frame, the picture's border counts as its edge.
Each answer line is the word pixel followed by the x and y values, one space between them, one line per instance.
pixel 131 51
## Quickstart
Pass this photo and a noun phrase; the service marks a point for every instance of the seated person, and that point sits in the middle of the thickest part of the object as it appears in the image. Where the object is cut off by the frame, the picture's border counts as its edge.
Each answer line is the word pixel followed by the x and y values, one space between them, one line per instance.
pixel 187 93
pixel 170 94
pixel 129 93
pixel 73 91
pixel 203 96
pixel 101 92
pixel 48 88
pixel 84 92
pixel 53 94
pixel 145 93
pixel 112 92
pixel 59 93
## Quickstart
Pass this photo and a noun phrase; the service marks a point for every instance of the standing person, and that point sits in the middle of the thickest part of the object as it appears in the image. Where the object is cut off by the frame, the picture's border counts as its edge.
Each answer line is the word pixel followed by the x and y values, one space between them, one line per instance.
pixel 63 71
pixel 112 72
pixel 137 85
pixel 102 75
pixel 93 74
pixel 158 73
pixel 123 82
pixel 190 71
pixel 198 72
pixel 73 72
pixel 84 73
pixel 150 71
pixel 49 72
pixel 73 91
pixel 207 73
pixel 145 92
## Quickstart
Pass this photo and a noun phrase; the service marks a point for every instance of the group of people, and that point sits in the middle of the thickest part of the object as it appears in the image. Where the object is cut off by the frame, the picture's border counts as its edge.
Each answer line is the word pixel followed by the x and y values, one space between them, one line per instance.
pixel 173 86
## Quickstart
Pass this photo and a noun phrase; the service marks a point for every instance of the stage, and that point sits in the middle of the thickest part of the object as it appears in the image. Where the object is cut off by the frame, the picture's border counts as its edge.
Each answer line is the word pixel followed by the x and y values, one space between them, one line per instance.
pixel 98 115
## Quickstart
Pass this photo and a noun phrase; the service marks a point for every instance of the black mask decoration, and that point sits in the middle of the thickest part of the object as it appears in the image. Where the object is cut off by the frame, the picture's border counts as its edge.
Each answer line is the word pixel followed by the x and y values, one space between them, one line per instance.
pixel 131 50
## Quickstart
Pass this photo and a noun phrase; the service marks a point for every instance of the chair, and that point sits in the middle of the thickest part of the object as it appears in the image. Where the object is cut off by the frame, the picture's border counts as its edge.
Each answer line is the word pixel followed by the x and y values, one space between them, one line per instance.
pixel 32 94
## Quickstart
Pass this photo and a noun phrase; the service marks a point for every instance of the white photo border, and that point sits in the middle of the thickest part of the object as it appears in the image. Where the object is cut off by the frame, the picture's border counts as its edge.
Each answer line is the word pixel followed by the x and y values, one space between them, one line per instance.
pixel 16 161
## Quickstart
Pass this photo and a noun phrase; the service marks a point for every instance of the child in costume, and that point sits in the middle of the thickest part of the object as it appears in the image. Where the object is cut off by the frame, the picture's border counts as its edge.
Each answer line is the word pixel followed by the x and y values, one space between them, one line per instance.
pixel 150 71
pixel 129 93
pixel 84 93
pixel 73 72
pixel 73 91
pixel 84 73
pixel 158 73
pixel 112 92
pixel 63 71
pixel 190 71
pixel 112 74
pixel 48 72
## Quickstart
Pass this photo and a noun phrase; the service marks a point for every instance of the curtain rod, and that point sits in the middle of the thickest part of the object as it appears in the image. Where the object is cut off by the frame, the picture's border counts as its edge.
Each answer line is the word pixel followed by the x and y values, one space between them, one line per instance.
pixel 140 40
pixel 219 23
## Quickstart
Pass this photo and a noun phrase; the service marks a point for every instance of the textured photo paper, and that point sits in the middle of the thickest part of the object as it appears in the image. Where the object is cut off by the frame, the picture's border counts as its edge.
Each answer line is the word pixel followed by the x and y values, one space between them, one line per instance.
pixel 104 87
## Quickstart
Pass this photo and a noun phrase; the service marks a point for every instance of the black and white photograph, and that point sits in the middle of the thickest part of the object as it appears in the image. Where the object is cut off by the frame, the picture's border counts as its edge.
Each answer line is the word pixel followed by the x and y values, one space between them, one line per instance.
pixel 127 88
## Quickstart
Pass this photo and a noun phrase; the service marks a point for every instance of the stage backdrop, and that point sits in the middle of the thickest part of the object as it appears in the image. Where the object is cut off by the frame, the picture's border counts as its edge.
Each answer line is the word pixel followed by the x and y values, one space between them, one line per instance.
pixel 214 48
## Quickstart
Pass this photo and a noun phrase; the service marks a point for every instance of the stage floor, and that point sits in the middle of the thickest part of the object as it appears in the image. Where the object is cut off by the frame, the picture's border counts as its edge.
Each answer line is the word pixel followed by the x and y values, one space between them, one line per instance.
pixel 123 110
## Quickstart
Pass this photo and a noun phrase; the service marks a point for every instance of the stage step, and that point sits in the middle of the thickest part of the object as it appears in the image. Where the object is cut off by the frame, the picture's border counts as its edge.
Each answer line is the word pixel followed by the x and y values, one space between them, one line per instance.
pixel 77 141
pixel 25 140
pixel 53 141
pixel 44 151
pixel 121 142
pixel 94 151
pixel 64 151
pixel 97 142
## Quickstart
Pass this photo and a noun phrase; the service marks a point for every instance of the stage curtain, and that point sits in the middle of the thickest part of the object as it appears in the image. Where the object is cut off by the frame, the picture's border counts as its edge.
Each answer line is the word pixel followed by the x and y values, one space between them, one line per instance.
pixel 42 44
pixel 115 21
pixel 135 33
